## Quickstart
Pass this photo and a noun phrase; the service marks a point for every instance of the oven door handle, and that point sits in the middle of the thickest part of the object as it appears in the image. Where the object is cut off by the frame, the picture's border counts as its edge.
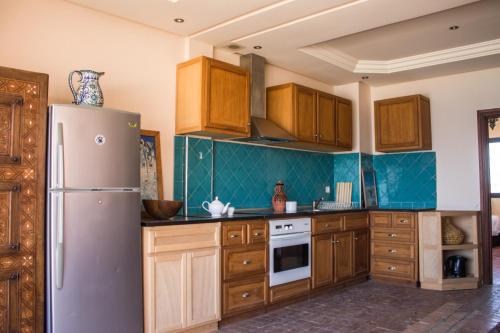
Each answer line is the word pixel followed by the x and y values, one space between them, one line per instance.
pixel 292 236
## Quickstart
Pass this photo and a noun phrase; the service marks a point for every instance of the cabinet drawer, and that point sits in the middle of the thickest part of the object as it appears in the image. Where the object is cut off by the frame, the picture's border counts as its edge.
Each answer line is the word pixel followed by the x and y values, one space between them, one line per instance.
pixel 403 220
pixel 400 269
pixel 393 235
pixel 241 262
pixel 243 295
pixel 257 232
pixel 289 290
pixel 356 221
pixel 327 223
pixel 393 250
pixel 380 220
pixel 234 234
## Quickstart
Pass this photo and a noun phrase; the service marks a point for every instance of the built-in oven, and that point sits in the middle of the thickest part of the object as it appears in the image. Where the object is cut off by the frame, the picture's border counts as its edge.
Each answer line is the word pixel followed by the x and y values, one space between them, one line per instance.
pixel 289 250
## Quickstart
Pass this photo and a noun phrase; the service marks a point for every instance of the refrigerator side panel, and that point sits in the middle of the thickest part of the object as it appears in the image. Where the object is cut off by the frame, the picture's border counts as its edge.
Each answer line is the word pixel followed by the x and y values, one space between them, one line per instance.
pixel 100 147
pixel 101 288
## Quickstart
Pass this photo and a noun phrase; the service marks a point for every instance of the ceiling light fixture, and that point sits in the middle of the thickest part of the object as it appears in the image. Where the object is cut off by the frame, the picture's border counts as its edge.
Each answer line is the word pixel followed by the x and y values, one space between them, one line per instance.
pixel 178 20
pixel 365 77
pixel 454 27
pixel 257 47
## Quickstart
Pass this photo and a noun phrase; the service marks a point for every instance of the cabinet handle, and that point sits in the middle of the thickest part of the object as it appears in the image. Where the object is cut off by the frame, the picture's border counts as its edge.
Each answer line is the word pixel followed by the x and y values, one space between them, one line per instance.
pixel 15 188
pixel 336 242
pixel 392 235
pixel 391 268
pixel 392 251
pixel 257 234
pixel 355 238
pixel 247 262
pixel 234 236
pixel 14 276
pixel 403 221
pixel 245 295
pixel 327 225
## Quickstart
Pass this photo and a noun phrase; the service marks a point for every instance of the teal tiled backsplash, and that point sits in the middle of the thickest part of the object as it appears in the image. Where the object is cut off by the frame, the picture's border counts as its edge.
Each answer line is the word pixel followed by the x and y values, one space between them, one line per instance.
pixel 245 175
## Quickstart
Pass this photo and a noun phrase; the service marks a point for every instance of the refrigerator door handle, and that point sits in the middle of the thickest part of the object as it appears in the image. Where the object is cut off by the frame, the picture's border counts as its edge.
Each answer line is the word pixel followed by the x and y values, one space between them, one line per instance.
pixel 59 223
pixel 60 157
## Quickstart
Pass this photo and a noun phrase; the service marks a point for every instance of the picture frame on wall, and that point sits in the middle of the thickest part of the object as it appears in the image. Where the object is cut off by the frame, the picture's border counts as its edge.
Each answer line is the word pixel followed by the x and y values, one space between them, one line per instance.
pixel 151 171
pixel 369 188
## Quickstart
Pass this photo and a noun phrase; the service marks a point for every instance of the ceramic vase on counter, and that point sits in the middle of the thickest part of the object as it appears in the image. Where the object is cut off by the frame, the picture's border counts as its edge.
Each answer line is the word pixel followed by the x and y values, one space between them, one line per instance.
pixel 89 91
pixel 279 197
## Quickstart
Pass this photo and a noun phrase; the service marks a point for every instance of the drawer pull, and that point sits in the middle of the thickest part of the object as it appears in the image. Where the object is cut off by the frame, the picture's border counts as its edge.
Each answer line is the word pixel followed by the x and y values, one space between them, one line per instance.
pixel 335 242
pixel 257 234
pixel 392 251
pixel 247 262
pixel 245 295
pixel 403 221
pixel 392 235
pixel 234 236
pixel 391 268
pixel 355 238
pixel 327 225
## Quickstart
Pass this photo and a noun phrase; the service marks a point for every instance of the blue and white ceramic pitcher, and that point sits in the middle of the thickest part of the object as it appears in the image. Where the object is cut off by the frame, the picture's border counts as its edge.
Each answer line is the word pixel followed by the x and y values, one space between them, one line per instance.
pixel 89 92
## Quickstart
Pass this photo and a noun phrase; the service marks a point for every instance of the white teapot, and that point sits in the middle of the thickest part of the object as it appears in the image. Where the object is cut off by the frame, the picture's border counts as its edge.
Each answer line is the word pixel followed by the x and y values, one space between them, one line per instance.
pixel 215 208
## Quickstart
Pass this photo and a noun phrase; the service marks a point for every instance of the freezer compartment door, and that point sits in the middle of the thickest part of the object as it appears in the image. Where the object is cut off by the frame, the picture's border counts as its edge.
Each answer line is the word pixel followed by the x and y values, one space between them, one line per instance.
pixel 100 147
pixel 100 289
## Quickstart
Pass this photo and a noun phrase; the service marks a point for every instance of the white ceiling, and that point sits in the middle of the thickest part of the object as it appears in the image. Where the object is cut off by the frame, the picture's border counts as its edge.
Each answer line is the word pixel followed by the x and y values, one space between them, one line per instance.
pixel 336 41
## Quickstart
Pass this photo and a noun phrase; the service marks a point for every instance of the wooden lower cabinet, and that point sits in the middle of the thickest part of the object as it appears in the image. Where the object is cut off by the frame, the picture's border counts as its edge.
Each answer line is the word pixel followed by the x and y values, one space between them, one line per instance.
pixel 244 295
pixel 343 255
pixel 288 291
pixel 181 287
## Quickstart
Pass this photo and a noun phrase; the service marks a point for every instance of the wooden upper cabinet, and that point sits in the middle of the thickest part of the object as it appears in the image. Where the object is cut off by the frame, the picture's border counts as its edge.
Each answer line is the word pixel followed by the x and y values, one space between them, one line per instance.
pixel 343 122
pixel 213 97
pixel 311 116
pixel 403 124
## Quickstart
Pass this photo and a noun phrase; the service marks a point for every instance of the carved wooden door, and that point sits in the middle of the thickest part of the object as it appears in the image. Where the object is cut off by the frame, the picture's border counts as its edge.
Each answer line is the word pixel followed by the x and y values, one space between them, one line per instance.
pixel 23 110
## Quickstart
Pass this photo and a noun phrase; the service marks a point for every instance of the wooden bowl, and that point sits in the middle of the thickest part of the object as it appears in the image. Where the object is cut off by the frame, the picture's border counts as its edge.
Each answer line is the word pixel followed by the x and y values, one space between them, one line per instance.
pixel 162 209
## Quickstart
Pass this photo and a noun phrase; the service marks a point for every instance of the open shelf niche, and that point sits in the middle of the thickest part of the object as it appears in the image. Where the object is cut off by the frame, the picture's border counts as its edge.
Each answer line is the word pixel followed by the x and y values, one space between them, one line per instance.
pixel 433 254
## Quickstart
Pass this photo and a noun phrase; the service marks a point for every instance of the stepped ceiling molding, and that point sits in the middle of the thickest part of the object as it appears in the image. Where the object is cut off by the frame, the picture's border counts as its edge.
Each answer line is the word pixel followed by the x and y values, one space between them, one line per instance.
pixel 335 41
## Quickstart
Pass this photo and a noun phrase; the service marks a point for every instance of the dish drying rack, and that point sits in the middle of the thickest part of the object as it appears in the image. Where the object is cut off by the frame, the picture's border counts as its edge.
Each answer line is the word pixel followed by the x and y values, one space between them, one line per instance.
pixel 333 205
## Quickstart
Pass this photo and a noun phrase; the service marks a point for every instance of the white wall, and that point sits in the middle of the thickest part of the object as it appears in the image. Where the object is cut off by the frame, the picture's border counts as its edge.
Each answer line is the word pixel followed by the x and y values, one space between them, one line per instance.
pixel 454 102
pixel 365 119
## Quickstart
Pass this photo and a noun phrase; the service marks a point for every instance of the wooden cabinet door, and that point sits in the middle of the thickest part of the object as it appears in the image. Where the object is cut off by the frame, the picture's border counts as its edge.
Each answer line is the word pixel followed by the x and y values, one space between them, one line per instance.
pixel 10 319
pixel 326 119
pixel 165 291
pixel 228 98
pixel 397 123
pixel 342 257
pixel 9 217
pixel 203 286
pixel 305 114
pixel 322 264
pixel 343 122
pixel 361 251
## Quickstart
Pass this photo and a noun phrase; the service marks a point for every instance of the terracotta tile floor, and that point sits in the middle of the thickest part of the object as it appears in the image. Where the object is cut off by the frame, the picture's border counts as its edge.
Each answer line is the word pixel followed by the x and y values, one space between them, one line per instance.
pixel 380 307
pixel 496 265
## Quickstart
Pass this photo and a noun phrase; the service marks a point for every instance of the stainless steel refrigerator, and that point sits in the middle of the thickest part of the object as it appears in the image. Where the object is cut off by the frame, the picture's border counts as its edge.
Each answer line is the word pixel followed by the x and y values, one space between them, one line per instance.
pixel 94 267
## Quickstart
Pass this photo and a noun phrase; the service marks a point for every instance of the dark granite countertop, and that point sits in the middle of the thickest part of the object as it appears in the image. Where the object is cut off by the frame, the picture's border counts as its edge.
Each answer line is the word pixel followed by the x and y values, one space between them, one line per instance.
pixel 260 214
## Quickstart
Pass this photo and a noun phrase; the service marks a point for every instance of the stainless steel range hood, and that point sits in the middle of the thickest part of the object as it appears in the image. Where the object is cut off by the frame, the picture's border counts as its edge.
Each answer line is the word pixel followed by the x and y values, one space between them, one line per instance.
pixel 263 130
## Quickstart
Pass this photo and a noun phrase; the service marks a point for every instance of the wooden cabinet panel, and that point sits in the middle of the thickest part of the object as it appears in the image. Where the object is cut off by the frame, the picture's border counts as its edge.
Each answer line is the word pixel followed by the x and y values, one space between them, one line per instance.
pixel 10 320
pixel 228 107
pixel 289 290
pixel 212 97
pixel 244 295
pixel 343 122
pixel 241 262
pixel 23 119
pixel 381 220
pixel 327 224
pixel 183 237
pixel 403 220
pixel 322 261
pixel 305 114
pixel 280 106
pixel 165 308
pixel 396 269
pixel 361 252
pixel 257 232
pixel 234 233
pixel 356 221
pixel 342 256
pixel 203 275
pixel 326 119
pixel 403 124
pixel 392 235
pixel 393 250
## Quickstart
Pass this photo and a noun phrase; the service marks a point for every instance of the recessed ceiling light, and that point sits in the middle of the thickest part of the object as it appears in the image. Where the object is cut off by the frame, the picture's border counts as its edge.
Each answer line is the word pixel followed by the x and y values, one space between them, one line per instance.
pixel 178 20
pixel 365 77
pixel 454 27
pixel 234 47
pixel 257 47
pixel 173 1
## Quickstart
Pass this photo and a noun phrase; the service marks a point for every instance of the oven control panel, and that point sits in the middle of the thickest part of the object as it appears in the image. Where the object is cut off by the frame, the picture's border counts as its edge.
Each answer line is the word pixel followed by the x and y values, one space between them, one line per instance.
pixel 289 226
